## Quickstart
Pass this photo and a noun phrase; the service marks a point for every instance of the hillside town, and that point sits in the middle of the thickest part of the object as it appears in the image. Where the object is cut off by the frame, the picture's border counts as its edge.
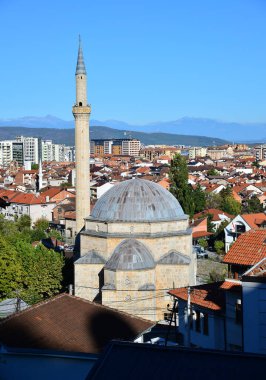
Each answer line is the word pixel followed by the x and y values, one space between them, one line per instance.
pixel 133 255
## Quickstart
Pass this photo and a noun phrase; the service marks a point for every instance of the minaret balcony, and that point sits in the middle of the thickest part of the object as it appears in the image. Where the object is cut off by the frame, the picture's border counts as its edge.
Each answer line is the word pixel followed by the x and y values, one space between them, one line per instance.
pixel 81 109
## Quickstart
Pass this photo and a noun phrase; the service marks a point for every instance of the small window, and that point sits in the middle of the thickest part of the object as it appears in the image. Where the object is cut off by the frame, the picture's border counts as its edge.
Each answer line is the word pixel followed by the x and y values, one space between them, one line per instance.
pixel 238 310
pixel 197 322
pixel 80 104
pixel 205 324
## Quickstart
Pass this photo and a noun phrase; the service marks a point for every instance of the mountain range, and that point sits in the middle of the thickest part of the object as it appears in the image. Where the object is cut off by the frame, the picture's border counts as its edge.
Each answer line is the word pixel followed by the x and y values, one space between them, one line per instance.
pixel 186 126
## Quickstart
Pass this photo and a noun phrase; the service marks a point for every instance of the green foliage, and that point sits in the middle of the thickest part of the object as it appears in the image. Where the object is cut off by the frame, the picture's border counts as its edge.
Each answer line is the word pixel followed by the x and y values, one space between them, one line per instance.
pixel 179 184
pixel 210 225
pixel 231 206
pixel 203 243
pixel 65 184
pixel 252 205
pixel 213 200
pixel 34 166
pixel 10 269
pixel 212 172
pixel 219 246
pixel 36 273
pixel 41 224
pixel 199 199
pixel 54 234
pixel 215 276
pixel 24 222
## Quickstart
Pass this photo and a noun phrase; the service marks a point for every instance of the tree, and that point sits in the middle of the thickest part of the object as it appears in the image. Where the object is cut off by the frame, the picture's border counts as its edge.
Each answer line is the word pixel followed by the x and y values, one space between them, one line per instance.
pixel 41 224
pixel 10 269
pixel 64 185
pixel 252 205
pixel 199 199
pixel 213 200
pixel 231 206
pixel 34 166
pixel 203 243
pixel 24 222
pixel 219 246
pixel 212 172
pixel 180 187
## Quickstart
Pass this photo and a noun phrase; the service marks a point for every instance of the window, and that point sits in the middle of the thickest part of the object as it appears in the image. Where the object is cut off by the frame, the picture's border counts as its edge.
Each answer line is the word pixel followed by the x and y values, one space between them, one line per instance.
pixel 197 322
pixel 205 324
pixel 238 312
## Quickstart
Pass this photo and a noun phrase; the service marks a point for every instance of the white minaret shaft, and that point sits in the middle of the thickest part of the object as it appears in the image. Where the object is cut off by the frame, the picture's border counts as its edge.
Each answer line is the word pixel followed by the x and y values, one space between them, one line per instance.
pixel 81 112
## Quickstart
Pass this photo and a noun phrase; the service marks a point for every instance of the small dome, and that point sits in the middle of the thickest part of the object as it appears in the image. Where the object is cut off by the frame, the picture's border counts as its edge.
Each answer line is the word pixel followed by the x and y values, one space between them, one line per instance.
pixel 137 200
pixel 130 254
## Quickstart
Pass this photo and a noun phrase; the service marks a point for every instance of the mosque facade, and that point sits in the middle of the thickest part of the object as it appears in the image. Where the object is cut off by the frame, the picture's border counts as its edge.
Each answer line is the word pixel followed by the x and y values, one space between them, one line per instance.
pixel 136 244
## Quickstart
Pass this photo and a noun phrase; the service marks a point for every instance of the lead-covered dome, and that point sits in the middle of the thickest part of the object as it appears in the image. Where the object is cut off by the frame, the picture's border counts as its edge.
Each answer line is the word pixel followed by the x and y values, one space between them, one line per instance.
pixel 130 254
pixel 137 200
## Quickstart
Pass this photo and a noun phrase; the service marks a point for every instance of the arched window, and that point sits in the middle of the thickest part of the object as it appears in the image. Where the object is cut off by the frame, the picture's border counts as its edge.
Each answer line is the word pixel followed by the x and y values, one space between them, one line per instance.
pixel 80 104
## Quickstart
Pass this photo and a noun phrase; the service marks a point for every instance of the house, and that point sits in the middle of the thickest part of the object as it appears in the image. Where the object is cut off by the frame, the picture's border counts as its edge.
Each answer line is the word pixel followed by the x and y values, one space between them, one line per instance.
pixel 254 302
pixel 125 360
pixel 33 205
pixel 71 324
pixel 246 251
pixel 218 216
pixel 199 230
pixel 241 224
pixel 207 316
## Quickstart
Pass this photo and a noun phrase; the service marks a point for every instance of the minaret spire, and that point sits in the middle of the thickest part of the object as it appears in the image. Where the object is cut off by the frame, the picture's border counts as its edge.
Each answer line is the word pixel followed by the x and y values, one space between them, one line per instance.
pixel 81 112
pixel 80 69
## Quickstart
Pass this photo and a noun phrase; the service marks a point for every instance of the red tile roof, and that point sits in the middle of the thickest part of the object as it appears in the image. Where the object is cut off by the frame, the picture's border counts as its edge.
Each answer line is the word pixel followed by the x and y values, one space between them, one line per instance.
pixel 209 296
pixel 215 212
pixel 253 220
pixel 199 234
pixel 248 249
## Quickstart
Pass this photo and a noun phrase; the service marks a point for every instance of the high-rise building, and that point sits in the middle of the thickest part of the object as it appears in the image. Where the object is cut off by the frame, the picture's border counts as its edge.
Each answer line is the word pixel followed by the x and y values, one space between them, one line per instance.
pixel 81 111
pixel 31 148
pixel 125 147
pixel 260 151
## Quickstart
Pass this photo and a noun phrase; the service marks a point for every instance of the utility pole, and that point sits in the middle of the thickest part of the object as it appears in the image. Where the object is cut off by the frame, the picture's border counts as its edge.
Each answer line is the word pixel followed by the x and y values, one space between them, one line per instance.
pixel 188 317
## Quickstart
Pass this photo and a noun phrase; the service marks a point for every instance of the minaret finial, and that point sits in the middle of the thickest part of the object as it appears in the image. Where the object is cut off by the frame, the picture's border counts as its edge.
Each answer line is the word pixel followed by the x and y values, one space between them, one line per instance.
pixel 80 69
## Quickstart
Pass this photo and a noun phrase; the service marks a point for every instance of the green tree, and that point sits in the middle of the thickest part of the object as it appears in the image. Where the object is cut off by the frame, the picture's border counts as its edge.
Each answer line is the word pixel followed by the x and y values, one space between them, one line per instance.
pixel 212 172
pixel 65 185
pixel 231 206
pixel 34 166
pixel 179 184
pixel 219 246
pixel 41 224
pixel 199 198
pixel 252 205
pixel 203 243
pixel 10 269
pixel 213 200
pixel 24 222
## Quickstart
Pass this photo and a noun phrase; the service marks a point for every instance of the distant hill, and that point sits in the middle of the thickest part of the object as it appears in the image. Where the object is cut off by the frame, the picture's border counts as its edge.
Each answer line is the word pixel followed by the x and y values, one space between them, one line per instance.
pixel 230 131
pixel 67 136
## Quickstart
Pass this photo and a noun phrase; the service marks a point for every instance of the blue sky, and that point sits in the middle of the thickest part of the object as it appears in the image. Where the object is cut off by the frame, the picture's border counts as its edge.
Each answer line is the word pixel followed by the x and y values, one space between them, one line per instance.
pixel 146 60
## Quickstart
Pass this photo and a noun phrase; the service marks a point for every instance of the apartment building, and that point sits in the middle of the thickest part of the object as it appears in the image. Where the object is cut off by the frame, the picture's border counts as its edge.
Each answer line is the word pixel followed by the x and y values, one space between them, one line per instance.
pixel 127 147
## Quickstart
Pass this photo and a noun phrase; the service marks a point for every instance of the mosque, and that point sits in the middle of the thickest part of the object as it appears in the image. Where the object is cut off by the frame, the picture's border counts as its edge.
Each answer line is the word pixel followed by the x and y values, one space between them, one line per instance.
pixel 136 244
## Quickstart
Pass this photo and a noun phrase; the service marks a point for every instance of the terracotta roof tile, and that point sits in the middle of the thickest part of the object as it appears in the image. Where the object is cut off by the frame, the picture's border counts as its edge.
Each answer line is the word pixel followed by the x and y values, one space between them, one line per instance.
pixel 248 249
pixel 253 220
pixel 209 296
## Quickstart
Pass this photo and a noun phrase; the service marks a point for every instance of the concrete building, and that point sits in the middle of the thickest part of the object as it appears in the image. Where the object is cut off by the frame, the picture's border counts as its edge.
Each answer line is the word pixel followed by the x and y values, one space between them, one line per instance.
pixel 136 244
pixel 81 111
pixel 126 147
pixel 260 152
pixel 197 152
pixel 31 148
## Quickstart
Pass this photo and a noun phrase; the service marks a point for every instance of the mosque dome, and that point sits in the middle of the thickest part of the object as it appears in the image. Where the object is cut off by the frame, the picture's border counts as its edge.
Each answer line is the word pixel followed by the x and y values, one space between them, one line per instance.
pixel 137 200
pixel 130 254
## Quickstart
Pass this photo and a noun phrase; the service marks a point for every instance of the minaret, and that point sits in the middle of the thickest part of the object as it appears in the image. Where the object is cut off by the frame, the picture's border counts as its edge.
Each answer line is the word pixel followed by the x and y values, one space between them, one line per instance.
pixel 81 111
pixel 40 175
